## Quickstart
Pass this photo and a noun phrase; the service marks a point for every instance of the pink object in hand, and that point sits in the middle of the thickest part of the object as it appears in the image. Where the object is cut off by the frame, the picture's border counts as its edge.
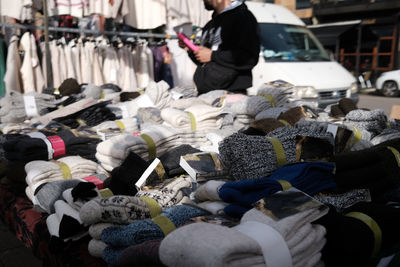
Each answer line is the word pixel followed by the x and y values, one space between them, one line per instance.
pixel 187 42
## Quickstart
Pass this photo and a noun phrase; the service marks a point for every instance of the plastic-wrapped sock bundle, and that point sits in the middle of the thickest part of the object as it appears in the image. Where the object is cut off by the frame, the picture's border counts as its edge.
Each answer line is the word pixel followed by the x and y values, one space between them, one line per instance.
pixel 90 116
pixel 16 107
pixel 25 148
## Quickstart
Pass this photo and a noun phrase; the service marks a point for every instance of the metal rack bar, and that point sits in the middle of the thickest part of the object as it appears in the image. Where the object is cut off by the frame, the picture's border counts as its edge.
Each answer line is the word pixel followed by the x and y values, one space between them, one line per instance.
pixel 85 31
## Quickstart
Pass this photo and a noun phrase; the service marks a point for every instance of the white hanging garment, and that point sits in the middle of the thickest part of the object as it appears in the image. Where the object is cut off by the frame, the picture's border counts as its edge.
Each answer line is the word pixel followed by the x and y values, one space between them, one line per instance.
pixel 141 65
pixel 62 60
pixel 182 67
pixel 55 63
pixel 98 78
pixel 31 71
pixel 76 60
pixel 150 62
pixel 146 14
pixel 127 75
pixel 75 8
pixel 111 66
pixel 15 9
pixel 187 11
pixel 68 60
pixel 12 77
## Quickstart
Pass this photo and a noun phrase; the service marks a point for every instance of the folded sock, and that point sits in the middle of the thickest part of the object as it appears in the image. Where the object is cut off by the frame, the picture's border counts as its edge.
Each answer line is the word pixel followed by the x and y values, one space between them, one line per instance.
pixel 118 209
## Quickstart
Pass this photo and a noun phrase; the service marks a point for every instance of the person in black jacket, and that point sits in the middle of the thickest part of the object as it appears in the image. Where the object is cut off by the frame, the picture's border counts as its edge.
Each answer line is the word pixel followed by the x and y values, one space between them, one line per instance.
pixel 229 48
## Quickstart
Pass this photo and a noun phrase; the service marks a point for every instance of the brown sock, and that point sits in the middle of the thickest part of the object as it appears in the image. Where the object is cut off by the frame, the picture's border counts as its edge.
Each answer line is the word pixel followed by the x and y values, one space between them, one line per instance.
pixel 347 105
pixel 293 115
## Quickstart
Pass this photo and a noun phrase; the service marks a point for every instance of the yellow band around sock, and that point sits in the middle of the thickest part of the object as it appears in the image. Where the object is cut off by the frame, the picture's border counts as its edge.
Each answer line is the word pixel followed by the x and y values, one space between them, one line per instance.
pixel 165 224
pixel 153 206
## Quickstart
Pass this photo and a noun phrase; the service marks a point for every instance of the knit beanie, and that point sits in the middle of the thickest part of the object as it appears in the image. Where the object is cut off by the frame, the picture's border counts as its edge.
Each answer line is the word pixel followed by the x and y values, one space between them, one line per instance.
pixel 69 86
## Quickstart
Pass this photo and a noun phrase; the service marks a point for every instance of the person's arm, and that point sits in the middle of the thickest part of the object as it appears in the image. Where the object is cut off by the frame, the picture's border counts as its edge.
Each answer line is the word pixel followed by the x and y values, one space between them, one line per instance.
pixel 190 53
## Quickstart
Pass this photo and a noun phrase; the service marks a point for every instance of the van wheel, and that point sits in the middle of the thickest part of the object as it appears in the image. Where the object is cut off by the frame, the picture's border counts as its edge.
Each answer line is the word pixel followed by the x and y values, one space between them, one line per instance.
pixel 390 88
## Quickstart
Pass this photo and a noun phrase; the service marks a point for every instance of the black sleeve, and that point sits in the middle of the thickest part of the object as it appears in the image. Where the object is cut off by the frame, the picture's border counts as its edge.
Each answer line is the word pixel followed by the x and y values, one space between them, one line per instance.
pixel 241 43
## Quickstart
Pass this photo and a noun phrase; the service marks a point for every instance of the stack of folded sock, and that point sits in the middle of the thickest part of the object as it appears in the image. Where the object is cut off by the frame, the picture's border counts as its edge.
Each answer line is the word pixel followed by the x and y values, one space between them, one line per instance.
pixel 310 177
pixel 154 141
pixel 25 148
pixel 128 125
pixel 16 107
pixel 90 116
pixel 199 117
pixel 246 109
pixel 39 172
pixel 65 224
pixel 257 241
pixel 118 238
pixel 373 121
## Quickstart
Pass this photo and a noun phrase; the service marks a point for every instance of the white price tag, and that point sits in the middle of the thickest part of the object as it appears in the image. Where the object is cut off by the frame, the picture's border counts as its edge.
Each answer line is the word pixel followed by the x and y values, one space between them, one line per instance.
pixel 30 106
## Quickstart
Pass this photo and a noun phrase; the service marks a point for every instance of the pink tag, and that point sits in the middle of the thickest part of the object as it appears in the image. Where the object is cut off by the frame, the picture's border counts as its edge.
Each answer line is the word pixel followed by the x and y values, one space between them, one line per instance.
pixel 136 133
pixel 58 145
pixel 99 183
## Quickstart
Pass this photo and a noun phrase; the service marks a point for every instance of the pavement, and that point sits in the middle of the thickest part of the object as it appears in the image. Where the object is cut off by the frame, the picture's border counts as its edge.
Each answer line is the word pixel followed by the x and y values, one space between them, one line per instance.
pixel 13 253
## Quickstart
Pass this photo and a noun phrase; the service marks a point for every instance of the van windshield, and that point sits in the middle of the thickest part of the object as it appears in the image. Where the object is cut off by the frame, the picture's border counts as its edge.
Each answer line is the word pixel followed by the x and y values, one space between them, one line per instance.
pixel 281 42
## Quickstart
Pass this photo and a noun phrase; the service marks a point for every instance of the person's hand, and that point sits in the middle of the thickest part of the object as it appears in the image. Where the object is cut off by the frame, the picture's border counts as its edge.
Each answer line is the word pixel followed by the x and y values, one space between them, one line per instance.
pixel 203 55
pixel 182 45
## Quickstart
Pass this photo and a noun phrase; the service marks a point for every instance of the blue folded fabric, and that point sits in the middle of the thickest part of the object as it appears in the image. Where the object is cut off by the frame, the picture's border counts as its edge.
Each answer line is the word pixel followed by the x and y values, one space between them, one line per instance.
pixel 309 177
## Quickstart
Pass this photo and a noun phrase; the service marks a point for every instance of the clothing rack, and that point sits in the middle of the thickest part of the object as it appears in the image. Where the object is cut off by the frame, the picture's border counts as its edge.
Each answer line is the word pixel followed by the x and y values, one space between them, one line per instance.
pixel 47 29
pixel 86 31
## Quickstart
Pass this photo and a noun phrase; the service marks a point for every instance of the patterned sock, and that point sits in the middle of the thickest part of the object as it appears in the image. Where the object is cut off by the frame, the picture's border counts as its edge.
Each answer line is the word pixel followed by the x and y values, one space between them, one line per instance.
pixel 118 209
pixel 150 229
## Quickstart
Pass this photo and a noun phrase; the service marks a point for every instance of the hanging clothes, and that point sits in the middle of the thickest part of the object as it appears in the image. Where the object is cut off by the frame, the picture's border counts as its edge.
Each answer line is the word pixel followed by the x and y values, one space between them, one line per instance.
pixel 111 66
pixel 75 8
pixel 146 14
pixel 187 11
pixel 62 60
pixel 69 62
pixel 127 75
pixel 12 78
pixel 162 64
pixel 55 63
pixel 182 67
pixel 86 63
pixel 76 60
pixel 31 71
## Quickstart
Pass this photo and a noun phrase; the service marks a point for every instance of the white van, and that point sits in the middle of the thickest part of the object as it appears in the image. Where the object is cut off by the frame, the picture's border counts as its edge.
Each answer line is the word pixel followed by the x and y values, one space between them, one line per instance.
pixel 290 52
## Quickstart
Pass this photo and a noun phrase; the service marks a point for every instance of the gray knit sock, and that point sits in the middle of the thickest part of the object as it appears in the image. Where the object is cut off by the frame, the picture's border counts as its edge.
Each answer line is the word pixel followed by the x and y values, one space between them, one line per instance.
pixel 49 193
